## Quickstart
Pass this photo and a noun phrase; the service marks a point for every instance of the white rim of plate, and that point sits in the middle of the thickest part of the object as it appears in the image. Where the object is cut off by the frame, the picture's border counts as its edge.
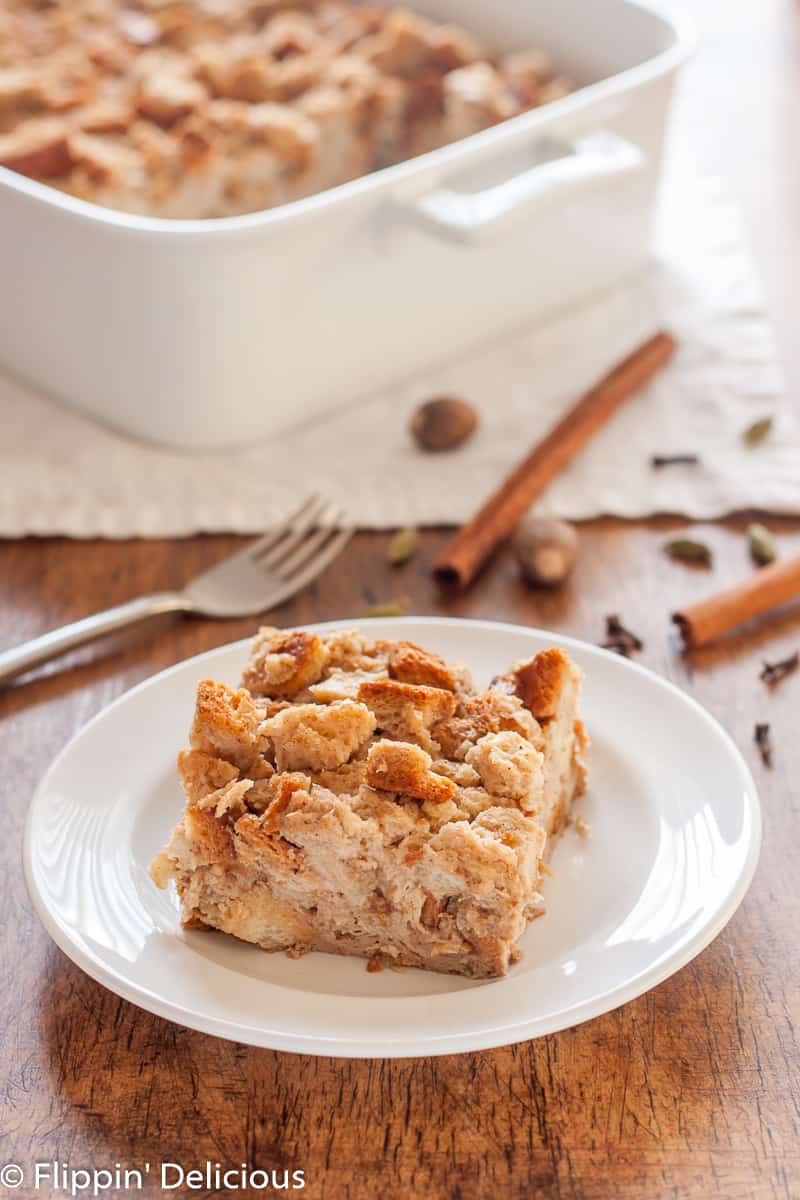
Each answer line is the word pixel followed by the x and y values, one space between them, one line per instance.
pixel 524 1029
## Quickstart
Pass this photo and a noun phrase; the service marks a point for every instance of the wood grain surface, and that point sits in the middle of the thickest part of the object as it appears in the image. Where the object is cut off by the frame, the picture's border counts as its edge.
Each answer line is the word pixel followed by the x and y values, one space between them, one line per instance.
pixel 689 1092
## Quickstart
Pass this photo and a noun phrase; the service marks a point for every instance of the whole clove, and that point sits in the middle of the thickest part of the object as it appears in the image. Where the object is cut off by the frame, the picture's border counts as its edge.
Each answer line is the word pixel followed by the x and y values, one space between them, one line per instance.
pixel 690 551
pixel 619 639
pixel 764 743
pixel 674 460
pixel 774 672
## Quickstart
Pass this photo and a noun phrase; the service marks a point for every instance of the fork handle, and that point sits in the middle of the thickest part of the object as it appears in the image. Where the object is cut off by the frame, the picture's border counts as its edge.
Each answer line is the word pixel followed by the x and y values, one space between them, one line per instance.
pixel 41 649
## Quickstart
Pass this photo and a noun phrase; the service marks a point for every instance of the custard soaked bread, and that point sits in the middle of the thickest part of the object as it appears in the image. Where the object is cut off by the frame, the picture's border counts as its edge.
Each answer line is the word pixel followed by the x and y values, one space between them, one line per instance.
pixel 363 797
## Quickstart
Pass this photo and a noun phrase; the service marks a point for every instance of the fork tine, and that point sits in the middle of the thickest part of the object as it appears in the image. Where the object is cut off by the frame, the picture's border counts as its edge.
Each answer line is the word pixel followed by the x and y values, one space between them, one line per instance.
pixel 294 536
pixel 247 583
pixel 314 568
pixel 252 550
pixel 256 549
pixel 330 520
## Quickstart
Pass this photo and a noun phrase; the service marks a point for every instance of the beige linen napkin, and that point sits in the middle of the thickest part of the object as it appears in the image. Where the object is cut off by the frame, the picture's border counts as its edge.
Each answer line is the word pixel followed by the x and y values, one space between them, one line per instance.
pixel 62 474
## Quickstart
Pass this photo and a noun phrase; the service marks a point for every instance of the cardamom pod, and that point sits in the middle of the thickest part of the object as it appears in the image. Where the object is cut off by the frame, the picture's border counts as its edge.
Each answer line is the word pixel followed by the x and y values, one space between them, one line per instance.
pixel 403 545
pixel 392 608
pixel 755 433
pixel 688 550
pixel 762 545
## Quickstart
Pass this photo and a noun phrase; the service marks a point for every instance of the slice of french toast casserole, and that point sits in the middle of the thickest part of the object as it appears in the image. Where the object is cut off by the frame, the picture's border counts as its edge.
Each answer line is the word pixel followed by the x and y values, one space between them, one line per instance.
pixel 363 797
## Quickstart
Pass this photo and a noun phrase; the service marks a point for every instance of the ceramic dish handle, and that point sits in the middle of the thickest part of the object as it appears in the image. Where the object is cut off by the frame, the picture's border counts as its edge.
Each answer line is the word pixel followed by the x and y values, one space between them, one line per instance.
pixel 471 217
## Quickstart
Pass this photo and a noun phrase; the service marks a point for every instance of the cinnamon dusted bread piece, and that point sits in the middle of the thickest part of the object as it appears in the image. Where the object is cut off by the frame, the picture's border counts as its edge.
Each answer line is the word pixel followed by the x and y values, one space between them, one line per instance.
pixel 363 797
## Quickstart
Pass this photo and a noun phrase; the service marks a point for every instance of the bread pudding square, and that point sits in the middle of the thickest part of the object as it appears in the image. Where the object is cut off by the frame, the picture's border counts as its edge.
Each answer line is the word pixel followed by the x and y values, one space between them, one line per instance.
pixel 364 797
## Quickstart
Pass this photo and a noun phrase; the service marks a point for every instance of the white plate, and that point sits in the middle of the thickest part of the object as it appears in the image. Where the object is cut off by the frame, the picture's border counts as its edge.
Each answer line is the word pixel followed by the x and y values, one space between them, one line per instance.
pixel 674 836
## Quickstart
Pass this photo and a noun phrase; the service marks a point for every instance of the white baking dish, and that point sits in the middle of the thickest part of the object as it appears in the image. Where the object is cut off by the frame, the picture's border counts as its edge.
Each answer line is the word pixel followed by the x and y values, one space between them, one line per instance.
pixel 210 333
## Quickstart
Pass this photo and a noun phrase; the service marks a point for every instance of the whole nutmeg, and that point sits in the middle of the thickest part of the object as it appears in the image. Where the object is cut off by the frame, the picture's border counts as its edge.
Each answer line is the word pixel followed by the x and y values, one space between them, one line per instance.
pixel 545 549
pixel 443 423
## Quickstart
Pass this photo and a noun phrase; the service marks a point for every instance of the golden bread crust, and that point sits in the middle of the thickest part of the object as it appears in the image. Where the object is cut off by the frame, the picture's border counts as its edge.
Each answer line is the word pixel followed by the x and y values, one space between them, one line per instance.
pixel 405 768
pixel 283 662
pixel 540 682
pixel 407 711
pixel 409 663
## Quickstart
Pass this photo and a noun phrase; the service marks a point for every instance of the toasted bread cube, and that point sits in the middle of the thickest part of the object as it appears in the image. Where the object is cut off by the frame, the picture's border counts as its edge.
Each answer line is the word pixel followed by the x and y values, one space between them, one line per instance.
pixel 226 723
pixel 509 765
pixel 203 773
pixel 540 682
pixel 411 664
pixel 407 711
pixel 318 737
pixel 282 662
pixel 491 712
pixel 403 767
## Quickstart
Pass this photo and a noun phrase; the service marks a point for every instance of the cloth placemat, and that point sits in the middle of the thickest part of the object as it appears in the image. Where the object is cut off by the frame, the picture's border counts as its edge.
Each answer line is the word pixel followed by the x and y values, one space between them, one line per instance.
pixel 62 474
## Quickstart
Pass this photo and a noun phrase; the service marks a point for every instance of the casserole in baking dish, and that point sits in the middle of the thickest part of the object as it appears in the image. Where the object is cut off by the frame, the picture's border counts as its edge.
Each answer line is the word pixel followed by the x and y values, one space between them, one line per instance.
pixel 196 108
pixel 205 333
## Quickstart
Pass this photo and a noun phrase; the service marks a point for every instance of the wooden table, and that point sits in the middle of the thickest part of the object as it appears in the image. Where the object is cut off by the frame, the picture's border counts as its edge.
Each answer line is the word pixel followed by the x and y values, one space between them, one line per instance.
pixel 690 1091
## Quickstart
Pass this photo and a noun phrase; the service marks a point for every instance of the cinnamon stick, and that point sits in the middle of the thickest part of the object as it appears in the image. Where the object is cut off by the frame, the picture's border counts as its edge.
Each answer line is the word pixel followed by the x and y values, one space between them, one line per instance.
pixel 464 556
pixel 762 591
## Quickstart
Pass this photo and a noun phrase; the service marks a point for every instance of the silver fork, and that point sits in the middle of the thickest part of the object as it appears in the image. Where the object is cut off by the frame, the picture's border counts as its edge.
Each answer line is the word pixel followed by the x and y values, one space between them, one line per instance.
pixel 259 577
